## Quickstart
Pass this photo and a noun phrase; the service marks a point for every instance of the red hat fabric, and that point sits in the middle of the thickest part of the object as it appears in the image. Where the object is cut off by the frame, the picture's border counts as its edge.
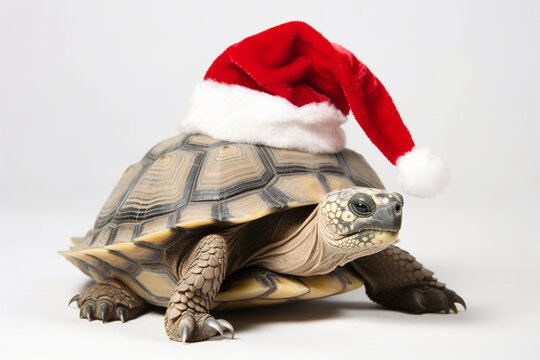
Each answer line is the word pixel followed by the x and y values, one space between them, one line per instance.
pixel 290 87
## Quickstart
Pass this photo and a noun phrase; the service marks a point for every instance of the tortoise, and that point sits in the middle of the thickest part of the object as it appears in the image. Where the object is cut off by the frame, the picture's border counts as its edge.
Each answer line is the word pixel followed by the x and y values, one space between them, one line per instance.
pixel 200 224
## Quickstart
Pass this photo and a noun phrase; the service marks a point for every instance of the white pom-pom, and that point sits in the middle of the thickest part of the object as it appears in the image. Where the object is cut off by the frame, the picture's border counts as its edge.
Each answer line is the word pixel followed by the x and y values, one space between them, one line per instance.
pixel 421 173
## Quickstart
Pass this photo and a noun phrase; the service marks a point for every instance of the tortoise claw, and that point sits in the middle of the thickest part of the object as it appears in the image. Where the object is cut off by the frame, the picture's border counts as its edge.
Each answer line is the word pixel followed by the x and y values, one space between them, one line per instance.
pixel 87 311
pixel 74 299
pixel 187 324
pixel 444 303
pixel 211 323
pixel 121 313
pixel 418 301
pixel 459 300
pixel 104 312
pixel 219 325
pixel 227 326
pixel 454 298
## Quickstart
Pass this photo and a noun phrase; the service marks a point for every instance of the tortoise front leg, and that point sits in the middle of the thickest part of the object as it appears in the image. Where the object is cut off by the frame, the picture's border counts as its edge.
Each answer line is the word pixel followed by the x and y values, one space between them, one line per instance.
pixel 201 274
pixel 396 280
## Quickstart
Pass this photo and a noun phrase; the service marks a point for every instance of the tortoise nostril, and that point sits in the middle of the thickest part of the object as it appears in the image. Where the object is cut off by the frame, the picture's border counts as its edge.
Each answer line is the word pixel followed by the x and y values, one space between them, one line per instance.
pixel 397 208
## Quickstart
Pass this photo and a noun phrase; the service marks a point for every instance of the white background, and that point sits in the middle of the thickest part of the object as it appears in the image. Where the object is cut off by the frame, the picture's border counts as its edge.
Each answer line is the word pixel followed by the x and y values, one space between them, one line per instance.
pixel 87 87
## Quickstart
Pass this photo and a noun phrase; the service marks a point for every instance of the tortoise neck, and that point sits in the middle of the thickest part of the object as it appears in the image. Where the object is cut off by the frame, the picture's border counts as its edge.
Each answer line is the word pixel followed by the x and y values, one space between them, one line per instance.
pixel 303 252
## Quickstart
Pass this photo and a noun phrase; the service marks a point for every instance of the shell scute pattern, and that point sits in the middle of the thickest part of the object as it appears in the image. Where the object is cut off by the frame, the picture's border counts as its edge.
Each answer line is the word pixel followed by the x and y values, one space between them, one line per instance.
pixel 197 180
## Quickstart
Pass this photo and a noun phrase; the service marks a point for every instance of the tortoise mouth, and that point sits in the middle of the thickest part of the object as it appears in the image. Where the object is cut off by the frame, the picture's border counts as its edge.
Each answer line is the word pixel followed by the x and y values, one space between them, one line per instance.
pixel 372 236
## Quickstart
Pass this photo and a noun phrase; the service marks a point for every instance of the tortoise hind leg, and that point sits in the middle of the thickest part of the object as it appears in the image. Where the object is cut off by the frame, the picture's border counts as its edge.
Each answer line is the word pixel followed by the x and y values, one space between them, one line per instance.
pixel 396 280
pixel 201 275
pixel 109 301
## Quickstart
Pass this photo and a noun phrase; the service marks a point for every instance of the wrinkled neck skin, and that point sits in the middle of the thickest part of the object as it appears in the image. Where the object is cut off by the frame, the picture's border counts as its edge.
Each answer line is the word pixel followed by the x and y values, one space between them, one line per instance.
pixel 304 252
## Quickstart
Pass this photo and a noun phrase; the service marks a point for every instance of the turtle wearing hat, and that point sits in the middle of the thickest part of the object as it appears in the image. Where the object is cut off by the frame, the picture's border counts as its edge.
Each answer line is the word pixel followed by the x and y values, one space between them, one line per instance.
pixel 258 201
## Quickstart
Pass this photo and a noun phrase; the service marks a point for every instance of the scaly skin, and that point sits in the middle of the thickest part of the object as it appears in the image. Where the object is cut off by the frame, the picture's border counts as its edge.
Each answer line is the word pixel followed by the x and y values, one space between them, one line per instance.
pixel 187 317
pixel 395 279
pixel 109 301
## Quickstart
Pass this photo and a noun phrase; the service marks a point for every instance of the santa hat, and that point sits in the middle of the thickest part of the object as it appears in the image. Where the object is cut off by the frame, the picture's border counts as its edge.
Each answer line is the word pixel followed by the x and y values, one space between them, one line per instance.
pixel 289 87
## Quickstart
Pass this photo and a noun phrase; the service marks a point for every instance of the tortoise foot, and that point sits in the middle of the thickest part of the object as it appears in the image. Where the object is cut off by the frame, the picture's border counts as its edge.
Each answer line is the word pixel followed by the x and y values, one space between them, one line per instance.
pixel 396 280
pixel 425 299
pixel 109 301
pixel 189 327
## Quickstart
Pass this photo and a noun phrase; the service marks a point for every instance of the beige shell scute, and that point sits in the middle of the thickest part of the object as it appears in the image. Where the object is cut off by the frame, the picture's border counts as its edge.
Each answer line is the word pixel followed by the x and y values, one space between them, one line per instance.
pixel 114 200
pixel 229 170
pixel 162 186
pixel 189 182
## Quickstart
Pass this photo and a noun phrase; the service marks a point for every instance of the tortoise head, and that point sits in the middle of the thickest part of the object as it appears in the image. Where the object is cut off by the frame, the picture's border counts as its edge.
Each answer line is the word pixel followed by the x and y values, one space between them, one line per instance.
pixel 359 220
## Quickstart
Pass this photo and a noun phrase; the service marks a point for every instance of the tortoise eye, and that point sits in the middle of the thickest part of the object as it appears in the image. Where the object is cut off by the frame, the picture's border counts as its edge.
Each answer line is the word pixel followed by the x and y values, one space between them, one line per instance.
pixel 362 205
pixel 360 208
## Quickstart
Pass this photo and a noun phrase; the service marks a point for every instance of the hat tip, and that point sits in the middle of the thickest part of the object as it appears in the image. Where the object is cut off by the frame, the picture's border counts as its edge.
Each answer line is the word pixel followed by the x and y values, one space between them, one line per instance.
pixel 422 173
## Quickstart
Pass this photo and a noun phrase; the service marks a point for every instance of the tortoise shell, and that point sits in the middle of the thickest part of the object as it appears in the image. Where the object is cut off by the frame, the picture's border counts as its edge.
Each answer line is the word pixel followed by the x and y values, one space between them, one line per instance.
pixel 192 181
pixel 195 180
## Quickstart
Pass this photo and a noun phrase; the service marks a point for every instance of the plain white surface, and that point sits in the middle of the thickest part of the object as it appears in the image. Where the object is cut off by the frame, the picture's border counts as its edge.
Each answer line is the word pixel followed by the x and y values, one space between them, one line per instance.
pixel 88 87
